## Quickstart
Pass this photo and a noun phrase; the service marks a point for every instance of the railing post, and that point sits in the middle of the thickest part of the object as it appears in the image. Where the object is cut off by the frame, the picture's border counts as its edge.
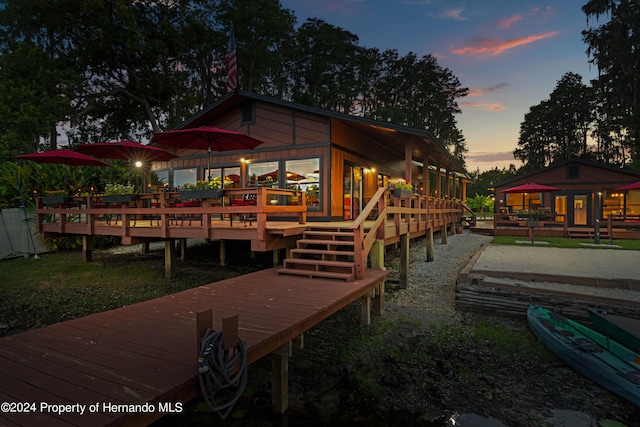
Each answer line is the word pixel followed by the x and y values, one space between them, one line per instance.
pixel 382 204
pixel 302 200
pixel 261 217
pixel 358 252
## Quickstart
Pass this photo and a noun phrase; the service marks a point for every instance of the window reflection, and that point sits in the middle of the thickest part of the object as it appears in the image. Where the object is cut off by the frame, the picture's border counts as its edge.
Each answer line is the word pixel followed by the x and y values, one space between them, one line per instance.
pixel 231 176
pixel 304 174
pixel 182 176
pixel 264 174
pixel 160 178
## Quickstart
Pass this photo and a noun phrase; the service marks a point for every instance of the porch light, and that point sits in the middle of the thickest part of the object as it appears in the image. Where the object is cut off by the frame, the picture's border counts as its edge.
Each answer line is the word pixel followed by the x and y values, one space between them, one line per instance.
pixel 138 164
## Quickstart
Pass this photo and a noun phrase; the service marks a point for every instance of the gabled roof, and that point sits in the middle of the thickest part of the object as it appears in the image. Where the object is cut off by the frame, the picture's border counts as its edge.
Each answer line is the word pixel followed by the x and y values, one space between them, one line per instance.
pixel 531 175
pixel 422 140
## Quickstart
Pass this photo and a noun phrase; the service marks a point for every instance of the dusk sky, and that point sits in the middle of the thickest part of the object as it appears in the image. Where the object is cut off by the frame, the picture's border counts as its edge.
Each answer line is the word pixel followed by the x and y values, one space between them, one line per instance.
pixel 509 53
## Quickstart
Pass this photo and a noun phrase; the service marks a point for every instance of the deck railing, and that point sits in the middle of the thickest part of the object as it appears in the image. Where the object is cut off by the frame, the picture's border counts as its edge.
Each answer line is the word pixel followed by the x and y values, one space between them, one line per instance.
pixel 90 215
pixel 406 216
pixel 623 226
pixel 153 216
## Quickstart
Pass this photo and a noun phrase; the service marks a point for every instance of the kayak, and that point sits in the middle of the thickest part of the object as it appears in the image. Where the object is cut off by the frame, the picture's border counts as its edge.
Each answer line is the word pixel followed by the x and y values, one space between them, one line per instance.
pixel 621 327
pixel 596 356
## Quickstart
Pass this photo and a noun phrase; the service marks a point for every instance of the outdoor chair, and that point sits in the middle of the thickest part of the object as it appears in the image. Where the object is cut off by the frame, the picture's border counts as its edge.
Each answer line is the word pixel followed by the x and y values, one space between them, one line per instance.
pixel 116 215
pixel 188 215
pixel 246 200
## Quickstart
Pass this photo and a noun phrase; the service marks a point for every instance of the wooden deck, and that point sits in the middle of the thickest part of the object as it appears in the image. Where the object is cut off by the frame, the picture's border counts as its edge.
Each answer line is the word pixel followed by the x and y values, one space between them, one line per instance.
pixel 147 352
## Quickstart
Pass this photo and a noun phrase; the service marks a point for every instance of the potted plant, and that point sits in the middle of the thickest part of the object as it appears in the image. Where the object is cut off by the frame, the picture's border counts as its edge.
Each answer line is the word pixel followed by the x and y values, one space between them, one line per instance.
pixel 55 197
pixel 201 190
pixel 119 193
pixel 403 189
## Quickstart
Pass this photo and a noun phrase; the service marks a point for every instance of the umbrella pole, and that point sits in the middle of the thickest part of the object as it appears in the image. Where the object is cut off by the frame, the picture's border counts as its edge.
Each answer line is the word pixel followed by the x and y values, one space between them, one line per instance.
pixel 209 158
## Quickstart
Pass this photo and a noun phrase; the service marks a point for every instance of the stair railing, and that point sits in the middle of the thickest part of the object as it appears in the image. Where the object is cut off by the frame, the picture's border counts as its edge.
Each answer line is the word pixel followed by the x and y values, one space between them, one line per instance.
pixel 362 245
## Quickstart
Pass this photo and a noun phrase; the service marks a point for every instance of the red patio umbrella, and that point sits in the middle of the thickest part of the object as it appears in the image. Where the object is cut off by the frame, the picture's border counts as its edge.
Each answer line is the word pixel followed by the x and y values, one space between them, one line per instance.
pixel 208 138
pixel 126 150
pixel 528 188
pixel 64 157
pixel 531 188
pixel 632 186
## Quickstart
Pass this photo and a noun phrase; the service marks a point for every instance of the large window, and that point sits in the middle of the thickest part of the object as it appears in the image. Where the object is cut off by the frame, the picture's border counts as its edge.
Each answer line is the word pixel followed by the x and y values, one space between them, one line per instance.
pixel 264 174
pixel 160 178
pixel 523 201
pixel 304 174
pixel 231 176
pixel 182 176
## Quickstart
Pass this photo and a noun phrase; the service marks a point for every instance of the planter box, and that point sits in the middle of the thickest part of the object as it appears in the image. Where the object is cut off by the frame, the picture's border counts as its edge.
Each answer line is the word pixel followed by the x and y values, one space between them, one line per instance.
pixel 119 198
pixel 55 200
pixel 209 193
pixel 402 193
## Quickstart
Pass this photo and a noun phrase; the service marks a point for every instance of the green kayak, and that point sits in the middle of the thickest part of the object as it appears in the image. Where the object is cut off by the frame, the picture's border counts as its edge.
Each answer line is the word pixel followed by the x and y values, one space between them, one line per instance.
pixel 594 355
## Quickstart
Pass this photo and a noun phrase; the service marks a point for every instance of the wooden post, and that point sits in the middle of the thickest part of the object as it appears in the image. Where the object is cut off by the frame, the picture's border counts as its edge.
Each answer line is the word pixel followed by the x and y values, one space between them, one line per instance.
pixel 280 378
pixel 183 249
pixel 365 308
pixel 277 259
pixel 443 234
pixel 223 252
pixel 404 260
pixel 376 254
pixel 377 304
pixel 169 258
pixel 87 248
pixel 144 248
pixel 229 332
pixel 430 246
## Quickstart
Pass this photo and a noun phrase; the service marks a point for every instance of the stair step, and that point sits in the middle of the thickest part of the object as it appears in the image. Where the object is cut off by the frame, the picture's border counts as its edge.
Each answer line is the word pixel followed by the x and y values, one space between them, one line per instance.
pixel 332 235
pixel 326 243
pixel 349 277
pixel 318 263
pixel 320 252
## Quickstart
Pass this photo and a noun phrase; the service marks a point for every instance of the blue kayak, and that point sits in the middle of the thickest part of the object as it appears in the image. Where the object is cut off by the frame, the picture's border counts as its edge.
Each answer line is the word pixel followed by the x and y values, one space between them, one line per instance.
pixel 594 355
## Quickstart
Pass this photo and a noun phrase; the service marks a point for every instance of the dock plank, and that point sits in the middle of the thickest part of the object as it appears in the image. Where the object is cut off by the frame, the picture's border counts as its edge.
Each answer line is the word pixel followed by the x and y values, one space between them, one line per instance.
pixel 146 352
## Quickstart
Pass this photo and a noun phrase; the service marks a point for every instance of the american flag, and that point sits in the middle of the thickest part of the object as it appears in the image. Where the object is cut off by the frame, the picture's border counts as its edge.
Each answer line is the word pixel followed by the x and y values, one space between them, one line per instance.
pixel 230 59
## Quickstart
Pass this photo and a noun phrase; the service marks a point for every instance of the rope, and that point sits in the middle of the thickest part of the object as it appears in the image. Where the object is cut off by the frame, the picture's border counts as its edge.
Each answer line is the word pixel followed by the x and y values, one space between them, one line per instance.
pixel 221 369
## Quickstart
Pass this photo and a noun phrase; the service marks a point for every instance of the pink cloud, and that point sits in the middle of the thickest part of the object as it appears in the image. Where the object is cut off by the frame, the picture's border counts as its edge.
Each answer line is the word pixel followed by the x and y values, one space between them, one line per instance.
pixel 506 23
pixel 489 106
pixel 493 47
pixel 484 91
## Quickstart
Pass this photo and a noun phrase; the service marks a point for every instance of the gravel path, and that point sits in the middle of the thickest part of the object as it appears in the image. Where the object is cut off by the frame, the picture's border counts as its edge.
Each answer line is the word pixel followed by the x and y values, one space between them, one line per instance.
pixel 432 285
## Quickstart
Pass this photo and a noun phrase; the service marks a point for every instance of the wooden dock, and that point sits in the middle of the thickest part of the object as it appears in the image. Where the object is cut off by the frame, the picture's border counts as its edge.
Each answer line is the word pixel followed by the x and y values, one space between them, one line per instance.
pixel 146 353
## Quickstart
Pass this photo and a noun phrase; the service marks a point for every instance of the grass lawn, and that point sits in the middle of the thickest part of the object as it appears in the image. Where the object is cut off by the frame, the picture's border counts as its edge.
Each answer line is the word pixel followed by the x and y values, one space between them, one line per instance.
pixel 562 242
pixel 61 286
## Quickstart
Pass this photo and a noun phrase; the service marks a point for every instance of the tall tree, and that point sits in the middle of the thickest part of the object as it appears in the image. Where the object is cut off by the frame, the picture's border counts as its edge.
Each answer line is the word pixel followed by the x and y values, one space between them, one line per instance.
pixel 262 28
pixel 116 68
pixel 557 128
pixel 614 47
pixel 420 93
pixel 572 103
pixel 38 72
pixel 324 69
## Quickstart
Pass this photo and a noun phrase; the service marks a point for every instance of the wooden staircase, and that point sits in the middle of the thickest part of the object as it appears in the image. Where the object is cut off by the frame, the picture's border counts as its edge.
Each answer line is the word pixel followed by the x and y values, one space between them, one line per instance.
pixel 323 252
